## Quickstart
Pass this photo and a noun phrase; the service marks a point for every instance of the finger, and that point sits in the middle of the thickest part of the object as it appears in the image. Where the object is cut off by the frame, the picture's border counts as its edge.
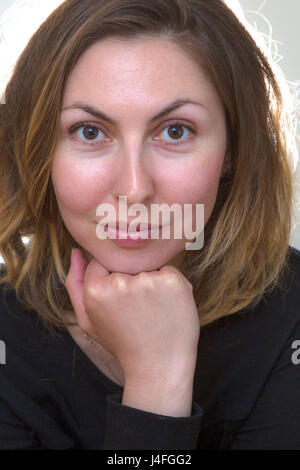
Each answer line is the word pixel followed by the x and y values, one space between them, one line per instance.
pixel 95 276
pixel 98 280
pixel 175 275
pixel 169 268
pixel 74 284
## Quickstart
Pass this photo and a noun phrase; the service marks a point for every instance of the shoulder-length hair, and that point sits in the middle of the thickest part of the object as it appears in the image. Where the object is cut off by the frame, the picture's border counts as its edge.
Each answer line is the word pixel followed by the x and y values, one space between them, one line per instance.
pixel 247 236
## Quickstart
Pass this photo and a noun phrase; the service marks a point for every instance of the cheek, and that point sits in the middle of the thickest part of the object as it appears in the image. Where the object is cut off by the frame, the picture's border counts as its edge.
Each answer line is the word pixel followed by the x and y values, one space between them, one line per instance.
pixel 78 188
pixel 196 182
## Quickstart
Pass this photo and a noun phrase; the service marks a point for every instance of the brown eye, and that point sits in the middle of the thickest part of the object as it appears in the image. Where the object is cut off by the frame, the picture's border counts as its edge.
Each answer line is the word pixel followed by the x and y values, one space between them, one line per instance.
pixel 90 133
pixel 175 132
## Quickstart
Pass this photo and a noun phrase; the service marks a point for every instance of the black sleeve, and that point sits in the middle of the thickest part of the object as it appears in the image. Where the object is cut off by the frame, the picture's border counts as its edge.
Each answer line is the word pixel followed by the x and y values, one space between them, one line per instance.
pixel 128 428
pixel 274 421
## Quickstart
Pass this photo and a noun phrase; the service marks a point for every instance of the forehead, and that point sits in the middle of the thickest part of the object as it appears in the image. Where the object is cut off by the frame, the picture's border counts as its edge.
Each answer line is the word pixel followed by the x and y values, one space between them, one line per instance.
pixel 115 68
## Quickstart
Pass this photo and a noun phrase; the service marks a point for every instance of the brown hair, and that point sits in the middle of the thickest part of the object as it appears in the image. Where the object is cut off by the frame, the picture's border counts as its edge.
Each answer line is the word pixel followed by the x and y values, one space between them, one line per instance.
pixel 247 235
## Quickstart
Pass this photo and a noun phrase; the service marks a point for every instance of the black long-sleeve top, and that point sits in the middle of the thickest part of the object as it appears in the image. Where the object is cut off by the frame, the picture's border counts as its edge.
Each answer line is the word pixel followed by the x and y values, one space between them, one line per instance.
pixel 246 385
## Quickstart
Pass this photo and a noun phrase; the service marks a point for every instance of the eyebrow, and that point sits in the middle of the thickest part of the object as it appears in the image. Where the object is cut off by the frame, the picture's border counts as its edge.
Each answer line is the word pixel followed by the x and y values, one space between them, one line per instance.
pixel 100 115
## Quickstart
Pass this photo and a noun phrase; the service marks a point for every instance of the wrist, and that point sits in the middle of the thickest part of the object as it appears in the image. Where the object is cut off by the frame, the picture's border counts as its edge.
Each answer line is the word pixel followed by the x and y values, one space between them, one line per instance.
pixel 166 374
pixel 169 396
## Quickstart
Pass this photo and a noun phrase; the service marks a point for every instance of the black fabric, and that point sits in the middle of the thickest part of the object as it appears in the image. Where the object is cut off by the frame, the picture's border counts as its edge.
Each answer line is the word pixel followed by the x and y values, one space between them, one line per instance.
pixel 246 386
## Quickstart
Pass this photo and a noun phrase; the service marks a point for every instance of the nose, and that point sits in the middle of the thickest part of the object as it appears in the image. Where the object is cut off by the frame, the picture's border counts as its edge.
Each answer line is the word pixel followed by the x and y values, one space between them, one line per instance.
pixel 134 178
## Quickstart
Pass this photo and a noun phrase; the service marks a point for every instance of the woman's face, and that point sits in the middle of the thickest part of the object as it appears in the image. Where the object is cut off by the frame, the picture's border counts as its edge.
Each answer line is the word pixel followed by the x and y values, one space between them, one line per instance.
pixel 117 139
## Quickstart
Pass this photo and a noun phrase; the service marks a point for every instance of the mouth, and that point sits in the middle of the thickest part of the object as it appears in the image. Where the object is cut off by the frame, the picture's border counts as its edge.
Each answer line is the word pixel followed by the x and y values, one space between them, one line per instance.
pixel 141 227
pixel 123 235
pixel 141 232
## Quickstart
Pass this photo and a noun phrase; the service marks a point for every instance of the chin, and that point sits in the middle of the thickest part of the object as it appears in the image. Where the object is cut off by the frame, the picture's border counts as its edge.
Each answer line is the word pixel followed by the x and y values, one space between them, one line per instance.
pixel 129 264
pixel 134 260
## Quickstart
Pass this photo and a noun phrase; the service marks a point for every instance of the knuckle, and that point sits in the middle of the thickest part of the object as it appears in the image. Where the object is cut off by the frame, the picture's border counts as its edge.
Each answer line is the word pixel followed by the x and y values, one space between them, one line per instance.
pixel 119 282
pixel 93 291
pixel 171 279
pixel 168 268
pixel 174 278
pixel 146 280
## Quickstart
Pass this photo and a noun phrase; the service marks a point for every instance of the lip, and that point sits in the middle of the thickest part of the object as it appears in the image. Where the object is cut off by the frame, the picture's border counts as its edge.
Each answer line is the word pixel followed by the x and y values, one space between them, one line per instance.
pixel 136 235
pixel 126 239
pixel 125 227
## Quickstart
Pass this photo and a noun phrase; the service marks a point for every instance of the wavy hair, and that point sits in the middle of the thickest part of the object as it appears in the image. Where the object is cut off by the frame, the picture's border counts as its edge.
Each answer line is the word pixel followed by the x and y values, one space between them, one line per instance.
pixel 247 236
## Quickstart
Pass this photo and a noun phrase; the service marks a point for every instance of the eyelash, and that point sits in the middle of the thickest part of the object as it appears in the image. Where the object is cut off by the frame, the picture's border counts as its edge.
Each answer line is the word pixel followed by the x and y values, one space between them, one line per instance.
pixel 95 125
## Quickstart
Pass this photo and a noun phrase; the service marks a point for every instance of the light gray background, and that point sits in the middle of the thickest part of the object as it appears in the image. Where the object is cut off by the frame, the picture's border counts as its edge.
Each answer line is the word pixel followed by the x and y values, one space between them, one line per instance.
pixel 284 16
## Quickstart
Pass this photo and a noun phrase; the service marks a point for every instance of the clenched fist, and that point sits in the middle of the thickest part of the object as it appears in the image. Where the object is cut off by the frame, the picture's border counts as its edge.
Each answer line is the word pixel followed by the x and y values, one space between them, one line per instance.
pixel 148 321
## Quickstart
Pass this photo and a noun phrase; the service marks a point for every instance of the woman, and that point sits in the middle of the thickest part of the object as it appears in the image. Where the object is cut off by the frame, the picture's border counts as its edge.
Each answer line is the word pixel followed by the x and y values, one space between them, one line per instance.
pixel 160 102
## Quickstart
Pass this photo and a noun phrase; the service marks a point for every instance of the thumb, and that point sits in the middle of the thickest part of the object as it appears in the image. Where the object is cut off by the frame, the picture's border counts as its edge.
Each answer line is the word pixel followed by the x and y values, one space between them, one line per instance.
pixel 74 284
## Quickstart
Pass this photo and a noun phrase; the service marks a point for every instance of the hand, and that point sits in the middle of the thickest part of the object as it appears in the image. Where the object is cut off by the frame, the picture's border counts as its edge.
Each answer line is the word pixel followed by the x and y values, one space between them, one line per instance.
pixel 148 321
